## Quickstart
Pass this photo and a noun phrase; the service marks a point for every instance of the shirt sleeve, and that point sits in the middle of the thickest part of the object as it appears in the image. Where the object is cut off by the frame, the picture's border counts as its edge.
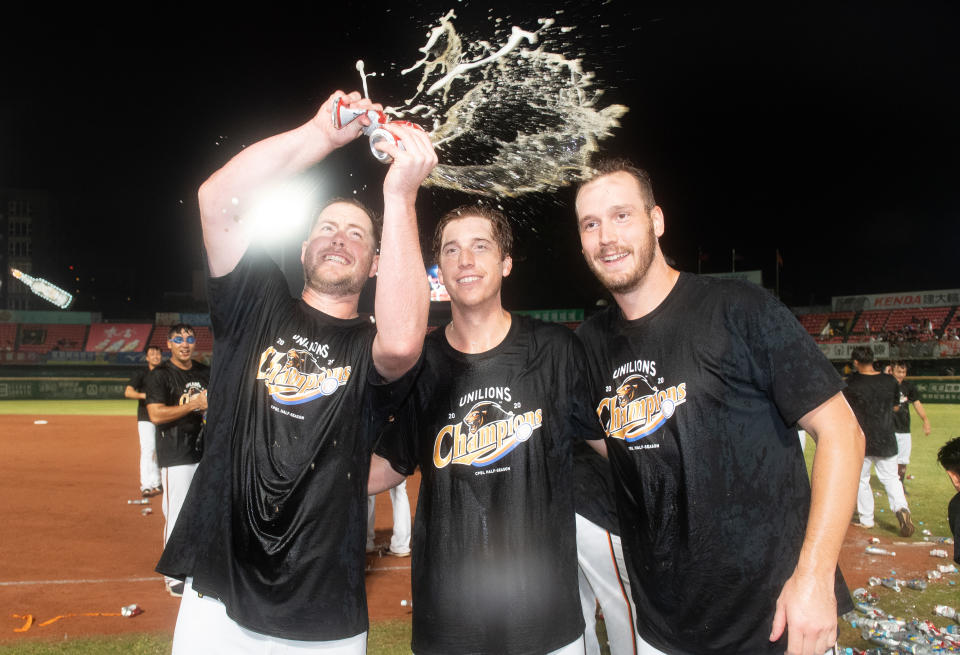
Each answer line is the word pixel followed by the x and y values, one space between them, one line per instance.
pixel 584 420
pixel 913 393
pixel 154 387
pixel 254 287
pixel 136 380
pixel 396 442
pixel 788 364
pixel 394 408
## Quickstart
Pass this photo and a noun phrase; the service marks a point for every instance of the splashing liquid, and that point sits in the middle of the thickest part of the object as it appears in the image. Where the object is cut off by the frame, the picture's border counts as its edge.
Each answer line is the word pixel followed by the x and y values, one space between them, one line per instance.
pixel 510 119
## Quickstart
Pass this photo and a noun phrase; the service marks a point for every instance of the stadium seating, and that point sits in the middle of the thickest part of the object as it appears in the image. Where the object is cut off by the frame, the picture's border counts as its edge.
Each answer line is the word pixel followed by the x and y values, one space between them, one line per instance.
pixel 900 318
pixel 871 321
pixel 43 338
pixel 8 337
pixel 813 323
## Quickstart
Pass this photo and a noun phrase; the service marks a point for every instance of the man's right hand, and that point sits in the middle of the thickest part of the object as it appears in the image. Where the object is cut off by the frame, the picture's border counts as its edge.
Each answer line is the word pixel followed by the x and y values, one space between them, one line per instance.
pixel 323 121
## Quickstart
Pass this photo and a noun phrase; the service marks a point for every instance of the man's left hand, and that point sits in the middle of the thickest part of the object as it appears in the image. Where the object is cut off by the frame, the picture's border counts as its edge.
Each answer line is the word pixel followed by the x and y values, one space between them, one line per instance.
pixel 807 608
pixel 411 164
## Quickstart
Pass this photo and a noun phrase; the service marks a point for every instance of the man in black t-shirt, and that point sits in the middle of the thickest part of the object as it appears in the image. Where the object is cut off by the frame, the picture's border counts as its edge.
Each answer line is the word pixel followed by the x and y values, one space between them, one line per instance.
pixel 873 397
pixel 909 395
pixel 176 398
pixel 949 458
pixel 699 384
pixel 149 469
pixel 496 407
pixel 271 537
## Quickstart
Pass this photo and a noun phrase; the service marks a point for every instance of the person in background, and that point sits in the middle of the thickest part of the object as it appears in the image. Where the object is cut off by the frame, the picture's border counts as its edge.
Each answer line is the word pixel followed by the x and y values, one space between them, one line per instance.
pixel 874 396
pixel 176 401
pixel 949 458
pixel 149 469
pixel 909 395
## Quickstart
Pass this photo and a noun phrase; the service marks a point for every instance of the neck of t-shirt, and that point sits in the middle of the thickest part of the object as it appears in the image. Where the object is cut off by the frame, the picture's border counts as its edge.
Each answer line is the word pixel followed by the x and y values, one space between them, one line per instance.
pixel 477 332
pixel 650 292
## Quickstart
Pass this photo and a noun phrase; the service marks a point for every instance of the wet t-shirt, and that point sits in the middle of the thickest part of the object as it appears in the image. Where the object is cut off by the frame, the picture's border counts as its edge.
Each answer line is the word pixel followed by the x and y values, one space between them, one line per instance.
pixel 137 381
pixel 274 525
pixel 179 441
pixel 699 400
pixel 494 539
pixel 909 394
pixel 872 398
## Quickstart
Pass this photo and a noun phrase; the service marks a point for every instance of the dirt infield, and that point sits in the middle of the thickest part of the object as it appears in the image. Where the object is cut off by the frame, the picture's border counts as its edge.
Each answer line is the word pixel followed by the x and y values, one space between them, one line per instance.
pixel 70 543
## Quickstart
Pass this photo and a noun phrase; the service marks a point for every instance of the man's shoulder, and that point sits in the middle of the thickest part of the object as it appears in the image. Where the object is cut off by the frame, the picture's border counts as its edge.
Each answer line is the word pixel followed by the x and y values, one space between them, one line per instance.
pixel 599 323
pixel 543 329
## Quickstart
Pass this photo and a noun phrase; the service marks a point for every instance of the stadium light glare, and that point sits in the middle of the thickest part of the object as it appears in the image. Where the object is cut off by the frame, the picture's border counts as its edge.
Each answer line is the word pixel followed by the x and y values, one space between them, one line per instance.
pixel 281 213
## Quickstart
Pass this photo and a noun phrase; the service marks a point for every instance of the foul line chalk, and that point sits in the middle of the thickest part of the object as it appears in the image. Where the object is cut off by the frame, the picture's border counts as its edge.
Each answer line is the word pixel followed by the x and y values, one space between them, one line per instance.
pixel 28 619
pixel 388 568
pixel 27 622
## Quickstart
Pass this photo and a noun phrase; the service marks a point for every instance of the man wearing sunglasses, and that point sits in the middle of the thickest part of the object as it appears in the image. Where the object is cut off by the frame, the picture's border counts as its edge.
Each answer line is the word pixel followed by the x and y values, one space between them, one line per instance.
pixel 271 538
pixel 176 396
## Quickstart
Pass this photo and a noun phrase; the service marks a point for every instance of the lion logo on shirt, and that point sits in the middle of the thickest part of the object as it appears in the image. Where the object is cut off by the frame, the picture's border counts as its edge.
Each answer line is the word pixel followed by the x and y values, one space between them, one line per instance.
pixel 302 361
pixel 483 413
pixel 632 388
pixel 485 434
pixel 637 409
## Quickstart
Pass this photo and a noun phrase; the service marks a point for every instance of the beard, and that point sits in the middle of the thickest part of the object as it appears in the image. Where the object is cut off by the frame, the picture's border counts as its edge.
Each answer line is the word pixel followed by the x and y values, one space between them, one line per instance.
pixel 345 285
pixel 628 280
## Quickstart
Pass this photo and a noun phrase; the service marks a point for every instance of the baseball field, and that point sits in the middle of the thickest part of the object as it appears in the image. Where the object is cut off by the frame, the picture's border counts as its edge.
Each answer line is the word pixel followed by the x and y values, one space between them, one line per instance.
pixel 73 552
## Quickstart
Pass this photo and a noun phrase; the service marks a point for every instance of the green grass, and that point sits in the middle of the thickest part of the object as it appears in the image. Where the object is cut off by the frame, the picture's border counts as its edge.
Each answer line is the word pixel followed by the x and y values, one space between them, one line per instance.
pixel 116 645
pixel 385 638
pixel 119 407
pixel 928 494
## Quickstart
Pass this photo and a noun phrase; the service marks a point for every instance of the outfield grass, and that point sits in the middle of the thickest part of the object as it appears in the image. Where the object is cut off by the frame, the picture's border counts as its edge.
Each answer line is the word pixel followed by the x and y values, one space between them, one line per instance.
pixel 928 494
pixel 119 407
pixel 385 638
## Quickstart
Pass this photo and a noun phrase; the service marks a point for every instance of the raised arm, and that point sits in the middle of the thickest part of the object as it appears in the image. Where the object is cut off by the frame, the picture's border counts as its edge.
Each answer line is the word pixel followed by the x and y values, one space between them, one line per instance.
pixel 807 604
pixel 403 297
pixel 225 196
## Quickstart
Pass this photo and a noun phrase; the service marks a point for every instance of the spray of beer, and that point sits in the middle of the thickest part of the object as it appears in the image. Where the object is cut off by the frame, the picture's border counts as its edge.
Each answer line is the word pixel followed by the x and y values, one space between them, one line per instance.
pixel 509 118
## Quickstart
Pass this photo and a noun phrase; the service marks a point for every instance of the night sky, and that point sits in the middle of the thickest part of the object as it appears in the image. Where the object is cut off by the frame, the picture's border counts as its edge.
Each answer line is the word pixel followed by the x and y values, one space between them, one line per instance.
pixel 828 132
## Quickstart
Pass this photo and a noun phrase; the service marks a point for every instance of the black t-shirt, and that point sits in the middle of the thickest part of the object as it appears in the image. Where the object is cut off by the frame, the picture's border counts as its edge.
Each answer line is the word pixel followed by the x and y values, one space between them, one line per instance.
pixel 137 381
pixel 494 540
pixel 275 522
pixel 872 398
pixel 699 399
pixel 953 517
pixel 909 394
pixel 178 442
pixel 593 488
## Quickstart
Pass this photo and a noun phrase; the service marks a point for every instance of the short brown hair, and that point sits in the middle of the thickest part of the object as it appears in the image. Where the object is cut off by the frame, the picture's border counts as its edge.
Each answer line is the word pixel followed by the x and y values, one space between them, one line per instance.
pixel 500 224
pixel 618 165
pixel 375 219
